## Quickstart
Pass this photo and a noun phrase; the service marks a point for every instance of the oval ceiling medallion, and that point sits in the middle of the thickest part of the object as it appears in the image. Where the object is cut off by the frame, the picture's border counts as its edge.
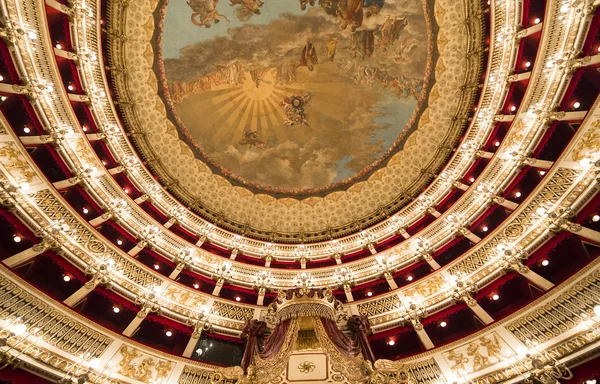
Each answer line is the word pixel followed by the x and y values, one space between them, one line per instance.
pixel 296 97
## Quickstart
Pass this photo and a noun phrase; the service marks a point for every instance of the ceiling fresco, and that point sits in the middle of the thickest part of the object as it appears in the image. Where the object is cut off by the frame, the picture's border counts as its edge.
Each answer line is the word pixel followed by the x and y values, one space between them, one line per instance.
pixel 300 95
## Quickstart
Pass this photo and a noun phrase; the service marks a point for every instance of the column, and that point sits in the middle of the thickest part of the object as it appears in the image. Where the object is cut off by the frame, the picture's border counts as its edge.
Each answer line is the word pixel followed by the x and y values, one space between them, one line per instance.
pixel 116 170
pixel 477 310
pixel 348 293
pixel 302 263
pixel 505 203
pixel 189 349
pixel 432 263
pixel 81 293
pixel 170 223
pixel 267 261
pixel 56 5
pixel 390 280
pixel 135 323
pixel 338 258
pixel 423 336
pixel 95 136
pixel 402 232
pixel 141 199
pixel 542 164
pixel 36 140
pixel 26 255
pixel 518 77
pixel 137 249
pixel 66 183
pixel 458 184
pixel 584 232
pixel 470 235
pixel 371 248
pixel 100 219
pixel 261 296
pixel 485 155
pixel 433 212
pixel 234 253
pixel 532 276
pixel 217 290
pixel 200 241
pixel 177 271
pixel 78 98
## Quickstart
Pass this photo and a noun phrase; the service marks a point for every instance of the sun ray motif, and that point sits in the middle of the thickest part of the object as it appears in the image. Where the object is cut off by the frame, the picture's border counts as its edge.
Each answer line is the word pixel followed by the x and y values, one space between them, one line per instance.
pixel 330 95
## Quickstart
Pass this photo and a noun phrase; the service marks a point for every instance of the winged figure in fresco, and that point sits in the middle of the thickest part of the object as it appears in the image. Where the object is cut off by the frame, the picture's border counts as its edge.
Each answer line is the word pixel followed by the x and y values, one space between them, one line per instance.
pixel 205 11
pixel 250 6
pixel 390 31
pixel 304 3
pixel 252 138
pixel 308 57
pixel 293 107
pixel 258 76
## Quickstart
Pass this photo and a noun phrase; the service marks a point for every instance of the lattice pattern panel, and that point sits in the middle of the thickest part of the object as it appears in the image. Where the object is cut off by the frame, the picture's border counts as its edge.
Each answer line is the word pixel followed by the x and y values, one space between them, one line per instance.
pixel 561 314
pixel 376 307
pixel 48 324
pixel 232 312
pixel 426 372
pixel 192 375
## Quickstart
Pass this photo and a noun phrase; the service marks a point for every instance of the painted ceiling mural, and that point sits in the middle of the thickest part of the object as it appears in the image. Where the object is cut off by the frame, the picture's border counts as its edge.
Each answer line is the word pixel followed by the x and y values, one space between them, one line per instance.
pixel 296 96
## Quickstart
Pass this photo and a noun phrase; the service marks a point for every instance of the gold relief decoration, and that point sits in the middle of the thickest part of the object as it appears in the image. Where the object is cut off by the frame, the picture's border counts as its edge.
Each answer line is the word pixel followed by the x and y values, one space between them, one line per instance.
pixel 59 330
pixel 197 375
pixel 425 372
pixel 306 367
pixel 251 208
pixel 15 163
pixel 184 297
pixel 428 287
pixel 137 365
pixel 559 315
pixel 233 312
pixel 378 306
pixel 479 354
pixel 589 143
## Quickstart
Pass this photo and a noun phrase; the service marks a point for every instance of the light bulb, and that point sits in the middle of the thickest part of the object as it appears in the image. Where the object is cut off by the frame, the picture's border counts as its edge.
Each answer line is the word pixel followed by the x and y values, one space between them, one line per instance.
pixel 156 266
pixel 19 329
pixel 537 20
pixel 513 108
pixel 391 342
pixel 528 64
pixel 169 333
pixel 119 242
pixel 58 46
pixel 443 324
pixel 495 297
pixel 70 87
pixel 577 105
pixel 67 278
pixel 409 278
pixel 85 211
pixel 17 239
pixel 518 194
pixel 116 309
pixel 596 218
pixel 545 263
pixel 369 293
pixel 237 298
pixel 485 229
pixel 497 143
pixel 84 128
pixel 26 129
